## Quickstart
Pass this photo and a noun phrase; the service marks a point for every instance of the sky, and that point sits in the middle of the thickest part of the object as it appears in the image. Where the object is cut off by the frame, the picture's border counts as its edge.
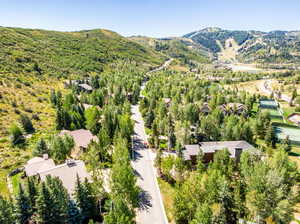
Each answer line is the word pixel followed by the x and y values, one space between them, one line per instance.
pixel 155 18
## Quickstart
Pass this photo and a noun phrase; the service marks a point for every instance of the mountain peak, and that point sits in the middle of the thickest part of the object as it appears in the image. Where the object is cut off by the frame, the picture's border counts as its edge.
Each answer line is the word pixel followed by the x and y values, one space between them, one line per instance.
pixel 211 29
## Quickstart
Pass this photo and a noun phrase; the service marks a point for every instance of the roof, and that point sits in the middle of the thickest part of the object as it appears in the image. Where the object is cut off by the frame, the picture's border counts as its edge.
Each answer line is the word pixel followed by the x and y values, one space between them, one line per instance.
pixel 167 100
pixel 205 108
pixel 86 86
pixel 86 106
pixel 211 147
pixel 36 164
pixel 294 117
pixel 67 173
pixel 82 137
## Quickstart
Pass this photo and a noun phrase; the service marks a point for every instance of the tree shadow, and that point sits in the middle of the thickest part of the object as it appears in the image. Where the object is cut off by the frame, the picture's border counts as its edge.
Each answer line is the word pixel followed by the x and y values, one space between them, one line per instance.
pixel 144 200
pixel 296 154
pixel 138 145
pixel 136 173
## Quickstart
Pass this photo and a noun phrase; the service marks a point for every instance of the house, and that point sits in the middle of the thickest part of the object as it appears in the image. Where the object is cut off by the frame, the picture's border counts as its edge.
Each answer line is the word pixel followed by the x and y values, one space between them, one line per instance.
pixel 167 100
pixel 67 173
pixel 233 108
pixel 38 163
pixel 294 118
pixel 208 149
pixel 205 109
pixel 87 106
pixel 70 83
pixel 85 87
pixel 82 139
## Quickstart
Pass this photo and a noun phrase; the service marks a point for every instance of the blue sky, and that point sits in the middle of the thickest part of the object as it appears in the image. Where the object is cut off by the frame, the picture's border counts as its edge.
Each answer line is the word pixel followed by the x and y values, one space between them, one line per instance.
pixel 157 18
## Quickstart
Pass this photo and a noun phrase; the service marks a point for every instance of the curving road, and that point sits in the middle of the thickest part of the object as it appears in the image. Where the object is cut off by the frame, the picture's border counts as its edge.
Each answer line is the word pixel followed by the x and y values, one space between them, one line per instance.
pixel 151 210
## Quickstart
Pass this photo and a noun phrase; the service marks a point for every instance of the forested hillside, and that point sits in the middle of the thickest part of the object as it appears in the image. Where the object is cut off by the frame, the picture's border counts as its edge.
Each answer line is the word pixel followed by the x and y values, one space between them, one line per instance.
pixel 183 49
pixel 254 46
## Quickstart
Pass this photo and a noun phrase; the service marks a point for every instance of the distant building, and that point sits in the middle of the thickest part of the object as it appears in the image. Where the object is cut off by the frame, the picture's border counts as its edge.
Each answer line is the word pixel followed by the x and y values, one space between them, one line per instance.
pixel 67 173
pixel 205 109
pixel 295 118
pixel 38 163
pixel 85 87
pixel 87 106
pixel 208 149
pixel 233 108
pixel 167 100
pixel 70 83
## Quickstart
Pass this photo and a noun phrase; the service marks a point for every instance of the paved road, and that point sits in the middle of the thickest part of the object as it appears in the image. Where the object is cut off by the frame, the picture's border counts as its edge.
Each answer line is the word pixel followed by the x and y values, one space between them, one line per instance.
pixel 266 87
pixel 164 65
pixel 152 210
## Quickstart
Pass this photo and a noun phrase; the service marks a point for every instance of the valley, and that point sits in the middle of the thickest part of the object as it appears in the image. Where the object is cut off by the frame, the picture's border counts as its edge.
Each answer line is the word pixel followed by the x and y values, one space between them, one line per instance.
pixel 195 129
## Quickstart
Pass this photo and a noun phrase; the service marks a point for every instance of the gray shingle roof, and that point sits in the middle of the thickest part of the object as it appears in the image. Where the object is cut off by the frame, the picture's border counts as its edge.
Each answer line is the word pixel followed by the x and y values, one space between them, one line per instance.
pixel 36 164
pixel 86 86
pixel 82 137
pixel 211 147
pixel 67 173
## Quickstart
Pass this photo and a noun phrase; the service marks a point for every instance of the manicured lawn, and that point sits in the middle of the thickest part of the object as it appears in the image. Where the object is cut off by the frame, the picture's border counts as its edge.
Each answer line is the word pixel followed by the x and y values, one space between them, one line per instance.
pixel 168 194
pixel 15 182
pixel 3 185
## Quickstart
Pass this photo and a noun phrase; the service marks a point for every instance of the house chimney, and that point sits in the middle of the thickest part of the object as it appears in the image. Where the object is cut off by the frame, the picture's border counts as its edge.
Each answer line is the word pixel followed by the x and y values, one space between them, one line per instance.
pixel 237 154
pixel 45 156
pixel 70 162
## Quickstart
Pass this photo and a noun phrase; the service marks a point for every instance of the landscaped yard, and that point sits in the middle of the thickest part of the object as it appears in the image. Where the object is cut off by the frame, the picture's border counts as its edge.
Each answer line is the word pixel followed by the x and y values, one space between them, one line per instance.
pixel 168 193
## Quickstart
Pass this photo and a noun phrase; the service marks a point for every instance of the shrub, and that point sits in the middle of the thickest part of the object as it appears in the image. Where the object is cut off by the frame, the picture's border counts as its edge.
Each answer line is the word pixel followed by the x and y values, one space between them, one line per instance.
pixel 29 110
pixel 16 135
pixel 26 123
pixel 35 117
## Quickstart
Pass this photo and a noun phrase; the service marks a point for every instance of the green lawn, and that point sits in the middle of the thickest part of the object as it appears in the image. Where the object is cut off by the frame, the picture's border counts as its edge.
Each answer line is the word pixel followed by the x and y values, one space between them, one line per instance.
pixel 3 184
pixel 15 182
pixel 168 194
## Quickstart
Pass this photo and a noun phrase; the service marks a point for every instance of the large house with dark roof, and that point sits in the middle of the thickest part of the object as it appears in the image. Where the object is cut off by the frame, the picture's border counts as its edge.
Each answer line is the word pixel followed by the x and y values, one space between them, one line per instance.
pixel 208 149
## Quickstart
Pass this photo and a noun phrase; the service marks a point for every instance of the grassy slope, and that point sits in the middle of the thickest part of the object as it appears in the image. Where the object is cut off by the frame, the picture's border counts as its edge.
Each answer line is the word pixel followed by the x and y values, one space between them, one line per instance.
pixel 32 62
pixel 176 48
pixel 67 52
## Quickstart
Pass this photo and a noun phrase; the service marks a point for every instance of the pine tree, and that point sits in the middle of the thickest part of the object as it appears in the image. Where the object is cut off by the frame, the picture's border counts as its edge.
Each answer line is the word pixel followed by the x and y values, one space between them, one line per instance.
pixel 59 199
pixel 287 146
pixel 16 135
pixel 43 205
pixel 40 148
pixel 200 165
pixel 26 123
pixel 203 215
pixel 31 191
pixel 23 209
pixel 74 216
pixel 120 212
pixel 6 211
pixel 85 199
pixel 270 137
